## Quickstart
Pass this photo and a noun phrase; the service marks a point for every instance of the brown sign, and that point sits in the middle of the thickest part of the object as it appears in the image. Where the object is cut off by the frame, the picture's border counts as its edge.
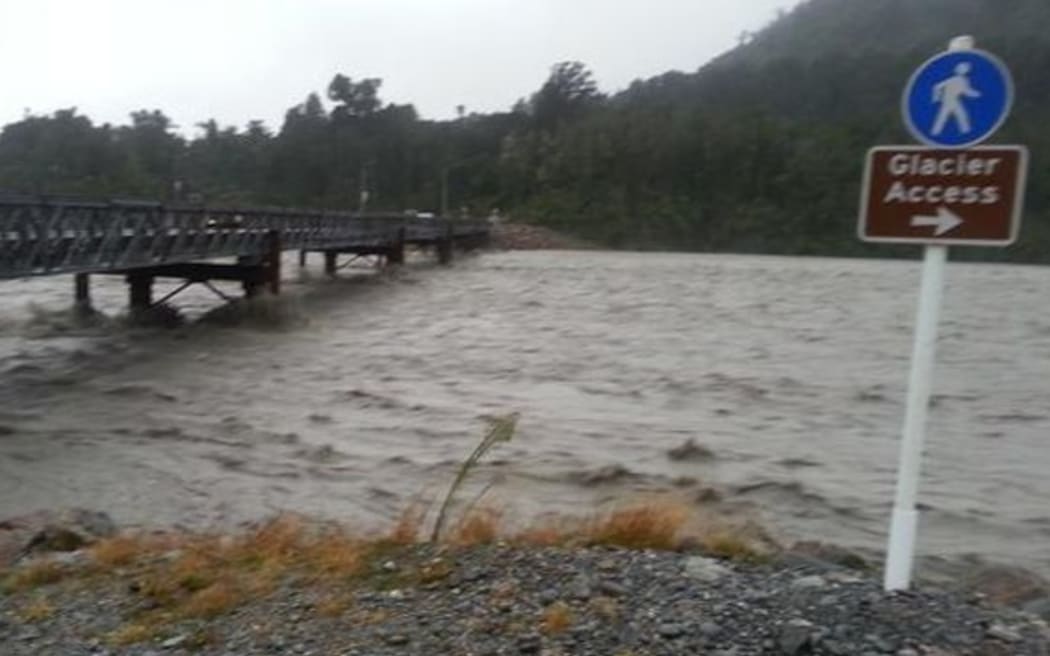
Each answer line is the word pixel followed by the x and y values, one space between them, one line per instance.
pixel 970 197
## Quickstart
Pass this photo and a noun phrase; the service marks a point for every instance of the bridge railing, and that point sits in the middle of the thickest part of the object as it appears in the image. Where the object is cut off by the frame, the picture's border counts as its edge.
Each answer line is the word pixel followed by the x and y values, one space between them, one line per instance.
pixel 43 236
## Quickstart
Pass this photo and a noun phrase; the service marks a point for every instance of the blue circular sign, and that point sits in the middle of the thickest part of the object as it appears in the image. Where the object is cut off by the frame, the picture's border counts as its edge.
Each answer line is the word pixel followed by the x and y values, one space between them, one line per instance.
pixel 958 99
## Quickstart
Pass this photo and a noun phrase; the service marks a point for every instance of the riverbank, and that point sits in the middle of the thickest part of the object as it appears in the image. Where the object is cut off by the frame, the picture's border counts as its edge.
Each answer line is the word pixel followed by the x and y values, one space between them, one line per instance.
pixel 527 237
pixel 370 389
pixel 627 583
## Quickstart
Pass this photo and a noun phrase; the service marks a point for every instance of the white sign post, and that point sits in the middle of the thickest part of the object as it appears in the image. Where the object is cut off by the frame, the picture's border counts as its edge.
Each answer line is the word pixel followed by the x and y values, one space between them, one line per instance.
pixel 956 100
pixel 905 523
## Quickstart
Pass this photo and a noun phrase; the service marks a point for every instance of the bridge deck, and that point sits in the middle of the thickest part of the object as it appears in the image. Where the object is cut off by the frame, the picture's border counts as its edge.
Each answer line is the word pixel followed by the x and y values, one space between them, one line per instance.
pixel 40 237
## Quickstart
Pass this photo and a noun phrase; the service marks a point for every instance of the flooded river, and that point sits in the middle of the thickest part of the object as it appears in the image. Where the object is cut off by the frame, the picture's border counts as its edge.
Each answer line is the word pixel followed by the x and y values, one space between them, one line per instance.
pixel 350 397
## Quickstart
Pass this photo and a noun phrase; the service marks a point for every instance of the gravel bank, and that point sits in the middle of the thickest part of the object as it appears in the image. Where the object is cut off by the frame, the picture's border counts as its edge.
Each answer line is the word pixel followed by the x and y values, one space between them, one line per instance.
pixel 495 600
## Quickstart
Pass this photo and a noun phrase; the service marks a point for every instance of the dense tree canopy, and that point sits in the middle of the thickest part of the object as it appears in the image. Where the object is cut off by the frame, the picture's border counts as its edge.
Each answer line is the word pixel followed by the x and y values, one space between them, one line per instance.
pixel 758 151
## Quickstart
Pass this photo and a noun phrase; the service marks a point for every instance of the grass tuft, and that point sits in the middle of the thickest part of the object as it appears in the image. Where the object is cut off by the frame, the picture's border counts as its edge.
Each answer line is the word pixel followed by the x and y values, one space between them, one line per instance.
pixel 501 429
pixel 732 546
pixel 335 556
pixel 279 540
pixel 557 618
pixel 479 526
pixel 132 634
pixel 643 526
pixel 208 576
pixel 202 638
pixel 371 617
pixel 550 533
pixel 124 550
pixel 34 575
pixel 212 601
pixel 36 611
pixel 409 526
pixel 333 606
pixel 606 608
pixel 437 569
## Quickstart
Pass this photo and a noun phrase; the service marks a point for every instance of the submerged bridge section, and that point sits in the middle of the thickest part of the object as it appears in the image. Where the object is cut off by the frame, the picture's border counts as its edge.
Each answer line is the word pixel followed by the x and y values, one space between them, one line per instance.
pixel 143 241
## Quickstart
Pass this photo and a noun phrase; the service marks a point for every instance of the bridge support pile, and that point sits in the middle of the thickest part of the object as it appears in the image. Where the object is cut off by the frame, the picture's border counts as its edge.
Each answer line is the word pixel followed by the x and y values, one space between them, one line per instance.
pixel 391 253
pixel 253 272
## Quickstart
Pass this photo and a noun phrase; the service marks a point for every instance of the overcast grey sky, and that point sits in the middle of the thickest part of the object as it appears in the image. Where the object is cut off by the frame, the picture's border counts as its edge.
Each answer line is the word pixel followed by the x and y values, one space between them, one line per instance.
pixel 237 60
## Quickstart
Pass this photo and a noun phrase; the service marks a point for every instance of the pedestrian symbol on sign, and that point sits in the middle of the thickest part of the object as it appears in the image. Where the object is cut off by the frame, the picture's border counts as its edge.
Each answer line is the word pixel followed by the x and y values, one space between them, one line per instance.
pixel 958 99
pixel 949 95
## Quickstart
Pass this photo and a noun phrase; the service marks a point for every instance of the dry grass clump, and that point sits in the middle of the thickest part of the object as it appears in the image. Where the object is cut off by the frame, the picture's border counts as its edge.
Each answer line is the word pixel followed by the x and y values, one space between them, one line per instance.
pixel 204 577
pixel 409 526
pixel 557 618
pixel 543 535
pixel 371 617
pixel 288 545
pixel 131 634
pixel 437 569
pixel 662 524
pixel 125 550
pixel 732 546
pixel 214 600
pixel 36 611
pixel 606 608
pixel 253 562
pixel 334 605
pixel 504 590
pixel 336 556
pixel 555 531
pixel 34 575
pixel 479 526
pixel 654 525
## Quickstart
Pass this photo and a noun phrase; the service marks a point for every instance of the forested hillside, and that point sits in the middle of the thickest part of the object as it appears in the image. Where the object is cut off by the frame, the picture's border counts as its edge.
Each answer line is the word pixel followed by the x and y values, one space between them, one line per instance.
pixel 758 151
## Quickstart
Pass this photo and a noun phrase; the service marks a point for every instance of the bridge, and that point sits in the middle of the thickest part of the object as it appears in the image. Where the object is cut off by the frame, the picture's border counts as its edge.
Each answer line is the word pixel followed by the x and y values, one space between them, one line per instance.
pixel 143 241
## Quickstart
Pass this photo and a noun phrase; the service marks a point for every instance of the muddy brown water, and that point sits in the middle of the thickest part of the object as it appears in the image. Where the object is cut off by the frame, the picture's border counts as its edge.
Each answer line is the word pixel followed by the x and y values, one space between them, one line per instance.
pixel 348 398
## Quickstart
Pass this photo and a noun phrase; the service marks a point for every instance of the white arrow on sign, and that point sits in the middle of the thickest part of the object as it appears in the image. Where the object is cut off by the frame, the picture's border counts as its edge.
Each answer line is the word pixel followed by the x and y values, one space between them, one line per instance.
pixel 944 221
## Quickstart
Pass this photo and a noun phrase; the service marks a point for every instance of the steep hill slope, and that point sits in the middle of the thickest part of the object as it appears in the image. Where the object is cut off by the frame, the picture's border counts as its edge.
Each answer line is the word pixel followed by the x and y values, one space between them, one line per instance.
pixel 761 149
pixel 819 28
